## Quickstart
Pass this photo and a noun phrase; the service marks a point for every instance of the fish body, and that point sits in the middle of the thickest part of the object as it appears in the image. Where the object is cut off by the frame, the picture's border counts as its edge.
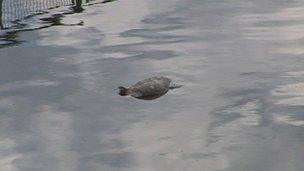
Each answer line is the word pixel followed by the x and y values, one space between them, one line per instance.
pixel 148 89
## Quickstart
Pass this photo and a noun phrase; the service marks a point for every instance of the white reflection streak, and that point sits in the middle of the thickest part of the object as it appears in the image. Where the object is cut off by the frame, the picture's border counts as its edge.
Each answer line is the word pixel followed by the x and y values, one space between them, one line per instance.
pixel 113 23
pixel 288 120
pixel 6 161
pixel 8 145
pixel 290 95
pixel 25 84
pixel 55 128
pixel 254 28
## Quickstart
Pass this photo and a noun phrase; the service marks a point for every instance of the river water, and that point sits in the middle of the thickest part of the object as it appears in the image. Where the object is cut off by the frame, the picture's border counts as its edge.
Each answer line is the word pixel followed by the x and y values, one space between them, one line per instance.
pixel 241 107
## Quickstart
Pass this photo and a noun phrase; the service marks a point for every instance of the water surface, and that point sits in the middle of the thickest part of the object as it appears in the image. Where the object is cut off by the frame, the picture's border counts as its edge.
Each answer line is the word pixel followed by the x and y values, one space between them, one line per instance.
pixel 241 107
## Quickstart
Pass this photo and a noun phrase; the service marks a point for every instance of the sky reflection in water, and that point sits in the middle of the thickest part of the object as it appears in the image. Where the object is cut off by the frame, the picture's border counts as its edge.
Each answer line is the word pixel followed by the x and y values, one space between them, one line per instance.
pixel 241 107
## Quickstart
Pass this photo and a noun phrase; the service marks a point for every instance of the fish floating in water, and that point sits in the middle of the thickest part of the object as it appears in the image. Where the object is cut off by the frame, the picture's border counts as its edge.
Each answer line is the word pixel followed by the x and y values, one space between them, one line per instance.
pixel 149 89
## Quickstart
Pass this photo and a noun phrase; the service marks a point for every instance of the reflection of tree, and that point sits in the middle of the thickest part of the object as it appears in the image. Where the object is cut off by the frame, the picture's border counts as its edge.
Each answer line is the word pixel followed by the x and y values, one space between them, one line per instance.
pixel 1 24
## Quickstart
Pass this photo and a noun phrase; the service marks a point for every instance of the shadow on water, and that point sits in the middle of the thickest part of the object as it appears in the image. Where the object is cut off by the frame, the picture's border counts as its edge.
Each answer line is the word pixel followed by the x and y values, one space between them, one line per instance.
pixel 1 24
pixel 11 27
pixel 77 6
pixel 107 1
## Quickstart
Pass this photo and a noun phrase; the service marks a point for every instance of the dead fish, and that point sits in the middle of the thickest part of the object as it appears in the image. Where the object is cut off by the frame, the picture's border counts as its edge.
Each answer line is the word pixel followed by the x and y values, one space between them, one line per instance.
pixel 149 89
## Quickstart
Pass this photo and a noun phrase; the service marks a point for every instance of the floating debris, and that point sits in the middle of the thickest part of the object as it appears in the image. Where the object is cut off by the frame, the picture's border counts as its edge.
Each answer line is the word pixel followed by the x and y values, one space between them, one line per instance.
pixel 149 89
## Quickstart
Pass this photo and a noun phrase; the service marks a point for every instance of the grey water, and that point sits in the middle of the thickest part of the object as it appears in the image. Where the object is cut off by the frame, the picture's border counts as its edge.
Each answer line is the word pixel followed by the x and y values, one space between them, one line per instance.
pixel 241 107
